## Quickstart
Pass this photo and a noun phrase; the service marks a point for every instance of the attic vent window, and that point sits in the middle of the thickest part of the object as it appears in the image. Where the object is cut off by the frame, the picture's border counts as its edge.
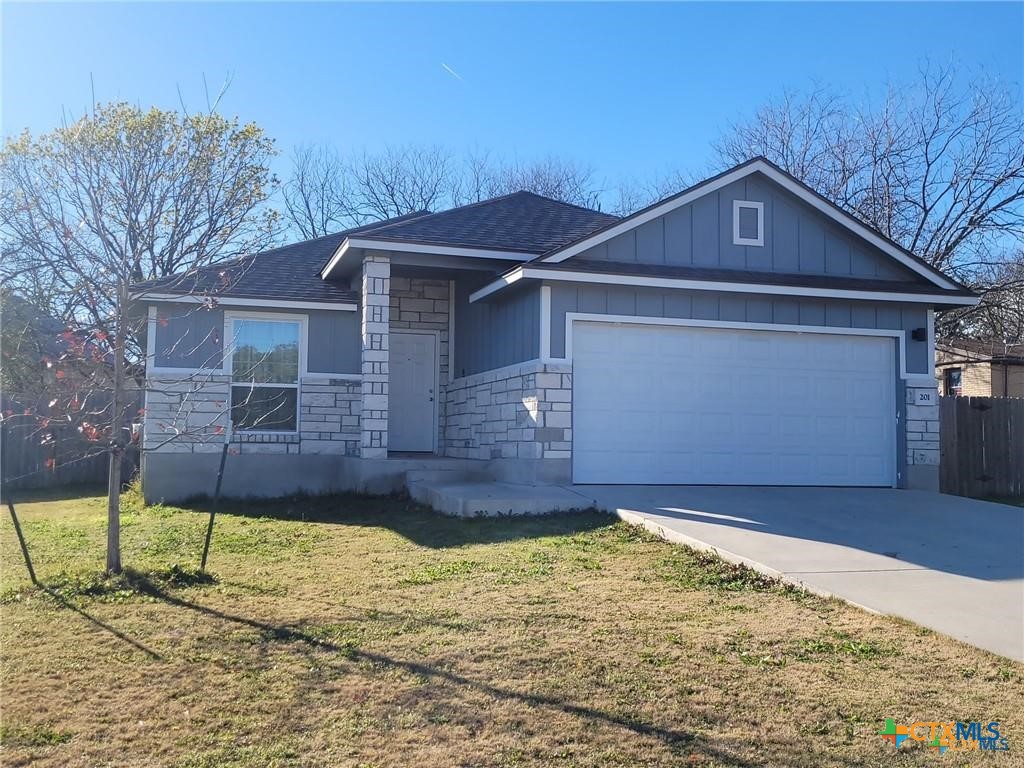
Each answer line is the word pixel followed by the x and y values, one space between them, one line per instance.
pixel 747 223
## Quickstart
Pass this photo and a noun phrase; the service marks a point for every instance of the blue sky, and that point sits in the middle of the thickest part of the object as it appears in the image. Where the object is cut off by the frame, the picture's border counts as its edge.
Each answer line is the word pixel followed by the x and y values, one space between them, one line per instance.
pixel 632 90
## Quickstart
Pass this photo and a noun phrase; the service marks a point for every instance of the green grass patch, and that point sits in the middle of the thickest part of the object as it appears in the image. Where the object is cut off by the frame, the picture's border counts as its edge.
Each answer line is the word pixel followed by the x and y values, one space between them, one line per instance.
pixel 32 735
pixel 691 569
pixel 440 572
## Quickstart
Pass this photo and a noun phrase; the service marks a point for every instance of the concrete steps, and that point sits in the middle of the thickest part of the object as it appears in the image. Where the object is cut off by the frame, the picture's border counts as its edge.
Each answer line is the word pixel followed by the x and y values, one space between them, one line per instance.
pixel 473 497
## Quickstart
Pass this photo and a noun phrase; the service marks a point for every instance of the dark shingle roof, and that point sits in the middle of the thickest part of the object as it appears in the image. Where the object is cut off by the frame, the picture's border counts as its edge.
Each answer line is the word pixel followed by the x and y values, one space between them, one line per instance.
pixel 982 350
pixel 290 273
pixel 746 276
pixel 522 221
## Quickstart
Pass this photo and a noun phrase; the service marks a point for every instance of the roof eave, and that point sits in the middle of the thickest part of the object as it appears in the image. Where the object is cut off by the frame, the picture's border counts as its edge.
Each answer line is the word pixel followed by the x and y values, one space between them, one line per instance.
pixel 425 249
pixel 526 272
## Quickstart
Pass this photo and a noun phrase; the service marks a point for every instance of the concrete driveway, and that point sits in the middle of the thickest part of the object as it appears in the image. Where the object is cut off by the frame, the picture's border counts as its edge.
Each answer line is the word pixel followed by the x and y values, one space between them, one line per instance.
pixel 952 564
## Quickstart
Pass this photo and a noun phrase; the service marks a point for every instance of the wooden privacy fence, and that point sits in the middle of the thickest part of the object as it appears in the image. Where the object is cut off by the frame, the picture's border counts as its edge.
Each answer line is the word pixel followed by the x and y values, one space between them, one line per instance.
pixel 29 462
pixel 982 446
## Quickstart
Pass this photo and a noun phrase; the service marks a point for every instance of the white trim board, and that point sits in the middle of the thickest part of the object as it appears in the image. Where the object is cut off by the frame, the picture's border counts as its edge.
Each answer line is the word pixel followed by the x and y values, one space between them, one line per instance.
pixel 545 322
pixel 780 178
pixel 451 332
pixel 571 276
pixel 757 206
pixel 231 301
pixel 439 249
pixel 898 335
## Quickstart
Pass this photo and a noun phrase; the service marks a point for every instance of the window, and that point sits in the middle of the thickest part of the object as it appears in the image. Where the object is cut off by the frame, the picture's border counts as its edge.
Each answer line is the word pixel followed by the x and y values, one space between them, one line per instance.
pixel 265 374
pixel 953 384
pixel 747 223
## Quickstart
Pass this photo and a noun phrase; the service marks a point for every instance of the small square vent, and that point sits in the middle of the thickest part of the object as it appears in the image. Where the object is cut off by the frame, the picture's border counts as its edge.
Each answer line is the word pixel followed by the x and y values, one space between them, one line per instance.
pixel 747 223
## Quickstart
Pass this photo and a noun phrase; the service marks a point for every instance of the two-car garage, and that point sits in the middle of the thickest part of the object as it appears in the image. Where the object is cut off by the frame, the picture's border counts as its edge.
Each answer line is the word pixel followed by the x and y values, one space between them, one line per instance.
pixel 682 404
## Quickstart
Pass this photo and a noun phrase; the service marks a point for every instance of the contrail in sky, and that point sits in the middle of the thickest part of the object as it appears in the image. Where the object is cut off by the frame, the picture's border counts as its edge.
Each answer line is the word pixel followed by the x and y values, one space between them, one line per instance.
pixel 451 71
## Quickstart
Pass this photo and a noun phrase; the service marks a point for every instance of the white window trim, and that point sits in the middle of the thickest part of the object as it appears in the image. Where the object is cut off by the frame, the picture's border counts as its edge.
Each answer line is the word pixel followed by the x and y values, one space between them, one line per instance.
pixel 911 379
pixel 737 206
pixel 526 272
pixel 229 334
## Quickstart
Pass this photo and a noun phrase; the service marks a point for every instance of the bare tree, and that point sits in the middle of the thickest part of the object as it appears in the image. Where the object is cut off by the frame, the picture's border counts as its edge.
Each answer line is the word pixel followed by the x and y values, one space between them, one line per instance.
pixel 119 196
pixel 327 193
pixel 319 198
pixel 483 177
pixel 401 180
pixel 632 194
pixel 938 167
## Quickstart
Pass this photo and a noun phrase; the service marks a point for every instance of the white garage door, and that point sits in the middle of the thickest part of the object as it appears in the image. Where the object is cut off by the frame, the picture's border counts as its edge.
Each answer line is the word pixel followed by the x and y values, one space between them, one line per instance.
pixel 681 405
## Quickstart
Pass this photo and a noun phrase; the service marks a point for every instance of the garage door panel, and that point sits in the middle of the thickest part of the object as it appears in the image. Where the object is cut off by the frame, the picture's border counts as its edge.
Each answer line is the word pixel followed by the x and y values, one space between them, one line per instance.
pixel 664 404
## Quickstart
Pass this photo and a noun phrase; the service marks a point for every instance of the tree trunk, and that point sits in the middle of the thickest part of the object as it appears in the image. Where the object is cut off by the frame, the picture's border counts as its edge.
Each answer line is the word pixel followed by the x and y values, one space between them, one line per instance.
pixel 116 440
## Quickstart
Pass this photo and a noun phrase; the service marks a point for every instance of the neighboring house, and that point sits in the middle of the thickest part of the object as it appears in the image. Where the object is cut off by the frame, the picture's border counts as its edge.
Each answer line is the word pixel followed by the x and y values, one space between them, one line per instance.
pixel 967 367
pixel 744 331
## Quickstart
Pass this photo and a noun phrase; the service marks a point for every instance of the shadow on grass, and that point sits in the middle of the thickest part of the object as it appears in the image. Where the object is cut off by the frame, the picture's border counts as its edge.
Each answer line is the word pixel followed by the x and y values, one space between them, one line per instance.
pixel 673 738
pixel 64 592
pixel 415 522
pixel 65 603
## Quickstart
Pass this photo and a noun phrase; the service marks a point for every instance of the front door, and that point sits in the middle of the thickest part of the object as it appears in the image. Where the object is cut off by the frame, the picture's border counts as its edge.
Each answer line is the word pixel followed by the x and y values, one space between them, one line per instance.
pixel 412 400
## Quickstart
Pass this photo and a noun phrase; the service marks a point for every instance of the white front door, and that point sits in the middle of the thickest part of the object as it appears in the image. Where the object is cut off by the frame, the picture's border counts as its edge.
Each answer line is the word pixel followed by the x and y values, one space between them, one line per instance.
pixel 412 398
pixel 683 405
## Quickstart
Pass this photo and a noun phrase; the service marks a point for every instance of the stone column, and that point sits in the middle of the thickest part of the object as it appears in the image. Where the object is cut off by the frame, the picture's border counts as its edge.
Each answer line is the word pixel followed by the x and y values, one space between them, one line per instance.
pixel 374 327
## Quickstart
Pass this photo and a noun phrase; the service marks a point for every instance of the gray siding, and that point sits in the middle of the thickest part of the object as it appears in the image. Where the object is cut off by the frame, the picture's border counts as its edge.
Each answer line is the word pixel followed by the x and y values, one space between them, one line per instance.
pixel 708 305
pixel 335 344
pixel 191 337
pixel 797 238
pixel 188 336
pixel 497 332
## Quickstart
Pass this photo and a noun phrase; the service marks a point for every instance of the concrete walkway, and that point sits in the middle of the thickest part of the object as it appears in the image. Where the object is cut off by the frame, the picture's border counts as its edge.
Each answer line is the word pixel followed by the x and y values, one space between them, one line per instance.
pixel 952 564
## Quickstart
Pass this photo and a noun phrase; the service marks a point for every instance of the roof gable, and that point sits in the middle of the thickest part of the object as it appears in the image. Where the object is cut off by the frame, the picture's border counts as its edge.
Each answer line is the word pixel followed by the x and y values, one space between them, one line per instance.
pixel 795 239
pixel 756 180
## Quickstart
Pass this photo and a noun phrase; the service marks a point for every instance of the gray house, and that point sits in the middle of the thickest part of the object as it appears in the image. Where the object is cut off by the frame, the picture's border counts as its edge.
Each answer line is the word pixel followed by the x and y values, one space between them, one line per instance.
pixel 744 331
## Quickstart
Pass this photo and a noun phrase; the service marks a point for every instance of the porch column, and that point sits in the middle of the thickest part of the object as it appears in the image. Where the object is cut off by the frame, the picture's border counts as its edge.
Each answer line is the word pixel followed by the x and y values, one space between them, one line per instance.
pixel 374 327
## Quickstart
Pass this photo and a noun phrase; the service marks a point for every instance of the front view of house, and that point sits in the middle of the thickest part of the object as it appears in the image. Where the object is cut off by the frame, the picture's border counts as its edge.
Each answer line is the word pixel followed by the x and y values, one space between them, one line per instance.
pixel 745 331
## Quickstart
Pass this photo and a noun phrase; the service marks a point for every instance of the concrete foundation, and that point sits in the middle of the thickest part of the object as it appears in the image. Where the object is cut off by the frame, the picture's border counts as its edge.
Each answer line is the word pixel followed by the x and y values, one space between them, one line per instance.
pixel 173 477
pixel 922 477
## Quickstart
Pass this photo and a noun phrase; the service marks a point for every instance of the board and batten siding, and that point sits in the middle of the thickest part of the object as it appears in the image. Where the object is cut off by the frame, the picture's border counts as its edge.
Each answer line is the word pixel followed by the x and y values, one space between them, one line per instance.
pixel 496 333
pixel 797 238
pixel 191 337
pixel 710 305
pixel 335 344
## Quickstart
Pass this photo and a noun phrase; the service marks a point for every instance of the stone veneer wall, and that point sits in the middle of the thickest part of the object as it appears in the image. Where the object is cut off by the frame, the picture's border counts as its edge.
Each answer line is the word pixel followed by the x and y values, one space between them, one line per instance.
pixel 190 415
pixel 922 428
pixel 521 411
pixel 329 412
pixel 423 305
pixel 186 415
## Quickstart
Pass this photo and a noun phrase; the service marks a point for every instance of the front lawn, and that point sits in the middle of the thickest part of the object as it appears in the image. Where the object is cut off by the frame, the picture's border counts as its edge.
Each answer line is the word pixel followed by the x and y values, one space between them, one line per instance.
pixel 370 632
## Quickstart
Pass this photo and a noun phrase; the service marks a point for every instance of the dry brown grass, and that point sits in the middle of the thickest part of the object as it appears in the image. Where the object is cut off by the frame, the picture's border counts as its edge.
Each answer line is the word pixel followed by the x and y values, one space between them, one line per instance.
pixel 354 631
